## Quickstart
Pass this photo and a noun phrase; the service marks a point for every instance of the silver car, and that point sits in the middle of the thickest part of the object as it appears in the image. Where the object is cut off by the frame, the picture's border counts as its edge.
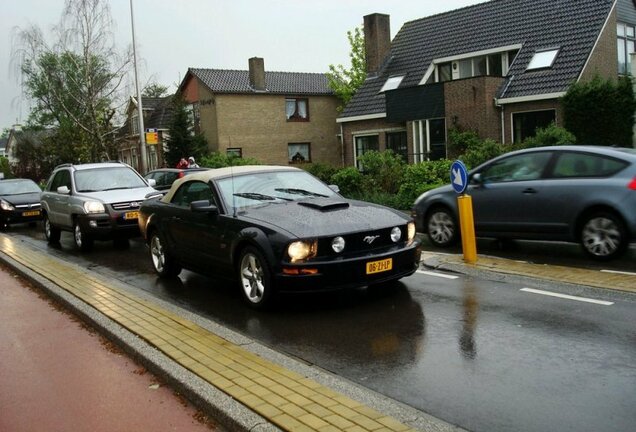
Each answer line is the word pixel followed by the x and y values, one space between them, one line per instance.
pixel 98 201
pixel 583 194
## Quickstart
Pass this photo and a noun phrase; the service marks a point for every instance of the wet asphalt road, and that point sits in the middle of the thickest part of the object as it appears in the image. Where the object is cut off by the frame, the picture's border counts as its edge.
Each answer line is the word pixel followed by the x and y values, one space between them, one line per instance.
pixel 480 354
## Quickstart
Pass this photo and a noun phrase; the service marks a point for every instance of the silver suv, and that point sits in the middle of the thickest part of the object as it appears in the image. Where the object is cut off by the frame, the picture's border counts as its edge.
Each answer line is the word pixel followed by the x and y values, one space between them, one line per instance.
pixel 98 201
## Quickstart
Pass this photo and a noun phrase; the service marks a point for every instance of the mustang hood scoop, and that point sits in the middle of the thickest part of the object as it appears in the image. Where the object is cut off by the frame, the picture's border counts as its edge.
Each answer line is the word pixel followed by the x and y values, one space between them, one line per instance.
pixel 324 204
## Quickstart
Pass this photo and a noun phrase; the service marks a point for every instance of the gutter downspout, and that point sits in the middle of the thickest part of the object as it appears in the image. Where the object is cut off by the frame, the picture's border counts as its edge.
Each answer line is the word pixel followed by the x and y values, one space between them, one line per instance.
pixel 342 155
pixel 503 109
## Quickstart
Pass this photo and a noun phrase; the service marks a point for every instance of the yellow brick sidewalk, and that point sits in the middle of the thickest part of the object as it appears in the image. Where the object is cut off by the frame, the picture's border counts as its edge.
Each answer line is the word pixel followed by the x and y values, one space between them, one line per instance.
pixel 287 399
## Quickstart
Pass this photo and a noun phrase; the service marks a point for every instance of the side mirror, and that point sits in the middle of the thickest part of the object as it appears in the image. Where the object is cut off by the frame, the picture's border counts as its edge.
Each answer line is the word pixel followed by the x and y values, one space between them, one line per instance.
pixel 152 182
pixel 64 190
pixel 334 188
pixel 204 206
pixel 476 179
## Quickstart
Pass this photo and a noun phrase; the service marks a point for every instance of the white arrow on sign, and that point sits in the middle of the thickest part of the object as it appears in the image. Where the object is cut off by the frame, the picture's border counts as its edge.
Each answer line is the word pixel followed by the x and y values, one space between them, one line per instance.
pixel 457 177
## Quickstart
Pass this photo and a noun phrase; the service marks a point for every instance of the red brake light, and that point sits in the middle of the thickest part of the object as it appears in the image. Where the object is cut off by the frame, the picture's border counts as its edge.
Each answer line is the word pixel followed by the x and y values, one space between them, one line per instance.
pixel 632 184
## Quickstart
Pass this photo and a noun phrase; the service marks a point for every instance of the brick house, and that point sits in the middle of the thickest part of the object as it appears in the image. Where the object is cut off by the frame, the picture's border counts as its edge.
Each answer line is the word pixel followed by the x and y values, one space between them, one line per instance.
pixel 275 117
pixel 498 68
pixel 157 117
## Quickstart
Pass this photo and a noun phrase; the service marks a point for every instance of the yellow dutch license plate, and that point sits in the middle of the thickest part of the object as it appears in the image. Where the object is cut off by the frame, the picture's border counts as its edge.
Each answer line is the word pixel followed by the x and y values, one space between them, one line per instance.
pixel 31 213
pixel 379 266
pixel 131 215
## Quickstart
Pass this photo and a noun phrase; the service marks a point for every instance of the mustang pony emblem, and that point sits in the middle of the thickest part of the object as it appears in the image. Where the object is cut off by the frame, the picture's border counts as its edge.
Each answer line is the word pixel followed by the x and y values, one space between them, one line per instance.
pixel 370 239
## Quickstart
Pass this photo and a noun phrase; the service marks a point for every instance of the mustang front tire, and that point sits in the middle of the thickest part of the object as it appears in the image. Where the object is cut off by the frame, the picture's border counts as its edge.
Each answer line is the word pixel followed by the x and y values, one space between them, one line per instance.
pixel 255 278
pixel 164 264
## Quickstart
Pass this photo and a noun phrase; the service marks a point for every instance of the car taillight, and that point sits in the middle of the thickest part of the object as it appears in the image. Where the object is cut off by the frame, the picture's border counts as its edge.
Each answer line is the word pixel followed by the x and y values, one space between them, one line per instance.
pixel 632 184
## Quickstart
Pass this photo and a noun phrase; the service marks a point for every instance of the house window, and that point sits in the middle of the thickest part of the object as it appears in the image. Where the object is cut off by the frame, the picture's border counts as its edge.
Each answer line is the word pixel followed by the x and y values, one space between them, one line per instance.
pixel 134 123
pixel 392 83
pixel 542 59
pixel 298 153
pixel 133 152
pixel 626 41
pixel 396 141
pixel 236 152
pixel 364 144
pixel 524 124
pixel 429 140
pixel 296 109
pixel 495 64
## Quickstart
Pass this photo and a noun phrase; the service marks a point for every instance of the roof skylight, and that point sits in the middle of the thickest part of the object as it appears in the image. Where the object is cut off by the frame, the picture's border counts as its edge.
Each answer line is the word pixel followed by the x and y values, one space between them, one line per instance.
pixel 543 59
pixel 392 83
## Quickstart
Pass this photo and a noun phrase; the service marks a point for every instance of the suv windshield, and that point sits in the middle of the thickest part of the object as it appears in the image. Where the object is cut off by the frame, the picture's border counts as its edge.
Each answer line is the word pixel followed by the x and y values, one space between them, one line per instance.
pixel 101 179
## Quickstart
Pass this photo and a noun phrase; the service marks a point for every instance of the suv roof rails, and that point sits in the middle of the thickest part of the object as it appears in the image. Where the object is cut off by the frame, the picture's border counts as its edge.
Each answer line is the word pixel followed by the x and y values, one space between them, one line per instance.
pixel 64 165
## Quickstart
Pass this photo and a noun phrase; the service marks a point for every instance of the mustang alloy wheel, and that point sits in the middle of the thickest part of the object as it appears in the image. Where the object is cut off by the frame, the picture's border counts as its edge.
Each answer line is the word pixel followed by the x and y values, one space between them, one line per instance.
pixel 163 263
pixel 603 236
pixel 255 278
pixel 441 227
pixel 82 240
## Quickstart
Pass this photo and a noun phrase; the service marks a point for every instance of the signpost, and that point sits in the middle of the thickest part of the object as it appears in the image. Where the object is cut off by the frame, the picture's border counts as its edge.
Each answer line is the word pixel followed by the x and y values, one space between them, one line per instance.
pixel 459 181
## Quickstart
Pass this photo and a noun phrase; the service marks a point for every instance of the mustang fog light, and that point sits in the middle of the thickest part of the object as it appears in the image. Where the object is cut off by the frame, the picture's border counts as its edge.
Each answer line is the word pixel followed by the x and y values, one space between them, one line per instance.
pixel 93 224
pixel 301 250
pixel 396 234
pixel 411 231
pixel 338 244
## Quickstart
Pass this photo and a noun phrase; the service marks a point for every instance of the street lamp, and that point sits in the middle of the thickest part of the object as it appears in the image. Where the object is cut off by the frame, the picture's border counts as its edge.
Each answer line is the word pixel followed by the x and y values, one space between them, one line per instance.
pixel 142 137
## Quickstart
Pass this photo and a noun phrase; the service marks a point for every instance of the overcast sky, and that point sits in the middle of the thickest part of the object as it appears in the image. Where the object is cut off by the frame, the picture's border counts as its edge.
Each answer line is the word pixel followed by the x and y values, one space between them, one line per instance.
pixel 173 35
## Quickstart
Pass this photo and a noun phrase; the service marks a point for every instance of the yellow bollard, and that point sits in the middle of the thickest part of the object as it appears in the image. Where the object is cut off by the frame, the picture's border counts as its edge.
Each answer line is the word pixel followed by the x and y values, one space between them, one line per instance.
pixel 467 226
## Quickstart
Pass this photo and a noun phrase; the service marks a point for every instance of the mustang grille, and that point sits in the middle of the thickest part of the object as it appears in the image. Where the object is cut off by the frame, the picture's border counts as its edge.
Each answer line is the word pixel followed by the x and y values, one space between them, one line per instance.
pixel 360 242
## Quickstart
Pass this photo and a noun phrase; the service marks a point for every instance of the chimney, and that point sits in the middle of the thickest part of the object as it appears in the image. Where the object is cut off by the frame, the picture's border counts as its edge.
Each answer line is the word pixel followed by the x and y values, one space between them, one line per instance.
pixel 377 40
pixel 257 73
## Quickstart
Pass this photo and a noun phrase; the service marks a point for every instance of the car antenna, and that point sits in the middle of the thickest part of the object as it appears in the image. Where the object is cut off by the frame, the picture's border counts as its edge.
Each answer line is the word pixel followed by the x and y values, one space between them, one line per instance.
pixel 233 196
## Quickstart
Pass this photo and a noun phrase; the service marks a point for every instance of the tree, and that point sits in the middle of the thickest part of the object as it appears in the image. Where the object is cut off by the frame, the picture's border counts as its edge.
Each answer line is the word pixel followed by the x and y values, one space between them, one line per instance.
pixel 154 90
pixel 76 81
pixel 183 141
pixel 345 82
pixel 609 103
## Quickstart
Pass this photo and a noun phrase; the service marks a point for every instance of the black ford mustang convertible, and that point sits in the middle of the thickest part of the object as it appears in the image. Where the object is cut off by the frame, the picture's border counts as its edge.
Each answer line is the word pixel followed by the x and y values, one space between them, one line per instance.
pixel 275 229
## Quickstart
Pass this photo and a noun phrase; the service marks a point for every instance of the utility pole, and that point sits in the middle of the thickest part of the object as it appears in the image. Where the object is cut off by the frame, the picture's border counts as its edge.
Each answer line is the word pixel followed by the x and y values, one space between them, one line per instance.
pixel 140 111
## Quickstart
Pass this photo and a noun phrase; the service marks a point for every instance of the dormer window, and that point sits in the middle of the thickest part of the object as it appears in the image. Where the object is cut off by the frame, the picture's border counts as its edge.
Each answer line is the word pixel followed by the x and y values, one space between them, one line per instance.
pixel 543 59
pixel 392 83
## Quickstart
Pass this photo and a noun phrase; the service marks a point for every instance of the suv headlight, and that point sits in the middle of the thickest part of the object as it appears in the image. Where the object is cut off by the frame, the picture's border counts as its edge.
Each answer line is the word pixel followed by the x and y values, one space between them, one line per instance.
pixel 94 207
pixel 5 205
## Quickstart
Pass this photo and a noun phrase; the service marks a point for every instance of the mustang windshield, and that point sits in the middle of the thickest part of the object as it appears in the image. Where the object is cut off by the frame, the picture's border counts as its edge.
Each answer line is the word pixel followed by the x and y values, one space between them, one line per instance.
pixel 249 190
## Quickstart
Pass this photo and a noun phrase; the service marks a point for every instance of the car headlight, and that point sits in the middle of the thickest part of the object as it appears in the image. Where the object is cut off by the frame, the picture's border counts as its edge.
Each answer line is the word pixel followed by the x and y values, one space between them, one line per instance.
pixel 5 205
pixel 302 250
pixel 396 234
pixel 338 244
pixel 94 207
pixel 411 231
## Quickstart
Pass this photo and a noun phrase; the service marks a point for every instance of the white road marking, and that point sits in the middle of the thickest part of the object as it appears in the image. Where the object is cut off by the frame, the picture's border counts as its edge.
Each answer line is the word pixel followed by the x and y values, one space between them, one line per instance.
pixel 618 272
pixel 445 276
pixel 569 297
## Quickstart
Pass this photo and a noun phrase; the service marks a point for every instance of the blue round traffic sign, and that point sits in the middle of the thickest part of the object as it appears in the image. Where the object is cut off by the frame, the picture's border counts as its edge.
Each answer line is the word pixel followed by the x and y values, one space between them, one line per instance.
pixel 459 177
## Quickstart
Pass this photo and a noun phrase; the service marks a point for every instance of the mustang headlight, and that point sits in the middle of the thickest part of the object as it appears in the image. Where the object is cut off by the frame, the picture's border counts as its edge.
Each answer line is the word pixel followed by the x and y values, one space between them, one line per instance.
pixel 338 244
pixel 302 250
pixel 396 234
pixel 5 205
pixel 411 231
pixel 94 207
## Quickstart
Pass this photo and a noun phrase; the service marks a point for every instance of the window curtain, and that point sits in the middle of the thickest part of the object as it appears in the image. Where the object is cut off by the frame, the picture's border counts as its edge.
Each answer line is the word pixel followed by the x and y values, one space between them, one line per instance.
pixel 290 107
pixel 302 108
pixel 298 152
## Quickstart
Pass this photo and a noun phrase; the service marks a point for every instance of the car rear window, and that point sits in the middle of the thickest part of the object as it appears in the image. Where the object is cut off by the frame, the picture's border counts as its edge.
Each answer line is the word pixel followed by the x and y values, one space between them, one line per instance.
pixel 572 164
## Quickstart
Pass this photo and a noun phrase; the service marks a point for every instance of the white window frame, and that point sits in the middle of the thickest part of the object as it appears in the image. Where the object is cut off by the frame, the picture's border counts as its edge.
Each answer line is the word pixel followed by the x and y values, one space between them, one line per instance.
pixel 392 83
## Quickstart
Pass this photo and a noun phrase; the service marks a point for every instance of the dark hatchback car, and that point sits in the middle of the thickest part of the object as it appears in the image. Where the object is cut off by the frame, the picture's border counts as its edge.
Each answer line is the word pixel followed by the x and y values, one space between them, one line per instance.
pixel 583 194
pixel 164 177
pixel 276 229
pixel 19 202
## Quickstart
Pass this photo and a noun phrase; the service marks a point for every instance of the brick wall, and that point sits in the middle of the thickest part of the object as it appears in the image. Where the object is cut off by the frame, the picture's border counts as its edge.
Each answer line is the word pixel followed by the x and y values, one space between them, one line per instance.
pixel 470 105
pixel 604 58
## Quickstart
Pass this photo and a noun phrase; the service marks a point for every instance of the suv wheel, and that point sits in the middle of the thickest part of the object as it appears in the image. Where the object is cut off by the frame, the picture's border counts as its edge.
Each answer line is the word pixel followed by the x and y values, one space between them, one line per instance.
pixel 82 240
pixel 51 233
pixel 603 236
